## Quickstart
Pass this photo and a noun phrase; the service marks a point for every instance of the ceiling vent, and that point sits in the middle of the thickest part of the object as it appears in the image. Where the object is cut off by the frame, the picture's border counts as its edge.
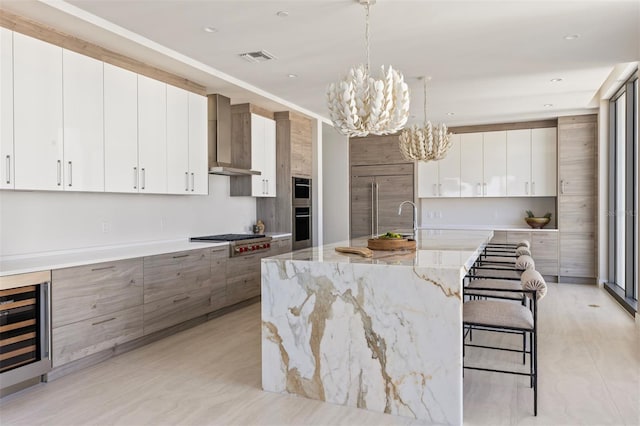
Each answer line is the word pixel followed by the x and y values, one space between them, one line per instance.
pixel 256 57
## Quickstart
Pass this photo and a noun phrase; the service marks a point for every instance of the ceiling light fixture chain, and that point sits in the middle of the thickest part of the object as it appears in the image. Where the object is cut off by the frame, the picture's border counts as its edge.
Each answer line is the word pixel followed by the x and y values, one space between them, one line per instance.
pixel 425 143
pixel 360 104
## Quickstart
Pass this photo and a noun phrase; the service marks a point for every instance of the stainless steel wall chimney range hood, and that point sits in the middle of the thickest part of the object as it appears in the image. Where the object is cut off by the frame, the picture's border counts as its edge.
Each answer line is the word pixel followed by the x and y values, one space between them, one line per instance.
pixel 219 139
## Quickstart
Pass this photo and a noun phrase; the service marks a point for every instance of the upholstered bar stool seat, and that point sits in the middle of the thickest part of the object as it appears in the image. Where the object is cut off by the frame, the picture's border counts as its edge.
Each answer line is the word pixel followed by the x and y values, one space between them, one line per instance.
pixel 496 313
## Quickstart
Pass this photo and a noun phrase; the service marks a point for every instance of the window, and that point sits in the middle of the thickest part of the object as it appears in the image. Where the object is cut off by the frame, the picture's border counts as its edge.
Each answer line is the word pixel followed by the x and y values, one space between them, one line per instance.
pixel 623 194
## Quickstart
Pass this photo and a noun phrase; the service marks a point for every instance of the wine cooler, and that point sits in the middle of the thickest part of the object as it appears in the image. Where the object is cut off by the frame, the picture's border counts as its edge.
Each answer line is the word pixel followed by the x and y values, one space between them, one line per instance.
pixel 24 329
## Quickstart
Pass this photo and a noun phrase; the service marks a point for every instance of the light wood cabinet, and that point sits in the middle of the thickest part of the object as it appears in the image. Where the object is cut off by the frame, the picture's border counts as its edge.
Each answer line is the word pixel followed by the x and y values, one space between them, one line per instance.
pixel 441 178
pixel 164 313
pixel 95 307
pixel 376 194
pixel 280 246
pixel 152 135
pixel 577 198
pixel 120 129
pixel 83 117
pixel 544 248
pixel 85 292
pixel 38 125
pixel 219 259
pixel 7 180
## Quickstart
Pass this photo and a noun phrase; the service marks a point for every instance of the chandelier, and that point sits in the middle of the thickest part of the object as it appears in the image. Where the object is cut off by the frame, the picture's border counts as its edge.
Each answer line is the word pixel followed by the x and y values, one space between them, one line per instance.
pixel 360 104
pixel 425 143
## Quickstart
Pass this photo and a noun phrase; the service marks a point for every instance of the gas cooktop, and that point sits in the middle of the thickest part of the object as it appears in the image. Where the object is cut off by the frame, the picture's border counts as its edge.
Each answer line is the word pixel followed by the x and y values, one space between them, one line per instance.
pixel 227 237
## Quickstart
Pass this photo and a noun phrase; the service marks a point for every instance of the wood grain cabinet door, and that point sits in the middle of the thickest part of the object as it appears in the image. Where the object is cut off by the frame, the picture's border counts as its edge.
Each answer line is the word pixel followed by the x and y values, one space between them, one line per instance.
pixel 164 313
pixel 577 157
pixel 172 274
pixel 219 258
pixel 89 291
pixel 391 191
pixel 362 205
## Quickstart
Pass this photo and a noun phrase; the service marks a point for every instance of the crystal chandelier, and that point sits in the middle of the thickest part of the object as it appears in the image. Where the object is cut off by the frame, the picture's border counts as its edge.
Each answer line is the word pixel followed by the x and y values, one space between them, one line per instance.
pixel 425 143
pixel 360 105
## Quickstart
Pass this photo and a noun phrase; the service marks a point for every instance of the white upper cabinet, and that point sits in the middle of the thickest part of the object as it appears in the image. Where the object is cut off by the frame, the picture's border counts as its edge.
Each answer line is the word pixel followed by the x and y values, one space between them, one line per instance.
pixel 38 126
pixel 471 165
pixel 519 163
pixel 198 149
pixel 152 135
pixel 120 129
pixel 83 116
pixel 543 162
pixel 6 110
pixel 441 178
pixel 494 158
pixel 178 178
pixel 263 156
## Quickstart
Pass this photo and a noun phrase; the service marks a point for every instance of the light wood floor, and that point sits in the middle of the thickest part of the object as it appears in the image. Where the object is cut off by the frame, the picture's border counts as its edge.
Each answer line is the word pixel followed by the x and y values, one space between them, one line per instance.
pixel 589 375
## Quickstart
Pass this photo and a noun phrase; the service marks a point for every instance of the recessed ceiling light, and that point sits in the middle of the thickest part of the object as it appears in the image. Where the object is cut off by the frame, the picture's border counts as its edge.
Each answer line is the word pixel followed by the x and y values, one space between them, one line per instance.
pixel 292 75
pixel 210 30
pixel 282 13
pixel 571 36
pixel 451 113
pixel 555 80
pixel 547 105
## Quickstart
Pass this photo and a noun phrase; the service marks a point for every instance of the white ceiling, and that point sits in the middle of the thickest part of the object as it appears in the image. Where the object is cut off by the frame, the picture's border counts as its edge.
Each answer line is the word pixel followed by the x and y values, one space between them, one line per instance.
pixel 490 61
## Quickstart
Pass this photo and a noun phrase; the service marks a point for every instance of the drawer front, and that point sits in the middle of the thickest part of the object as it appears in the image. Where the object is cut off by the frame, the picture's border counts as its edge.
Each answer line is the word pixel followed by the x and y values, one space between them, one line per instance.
pixel 85 292
pixel 578 255
pixel 243 287
pixel 166 312
pixel 499 237
pixel 219 297
pixel 544 246
pixel 280 246
pixel 547 266
pixel 180 272
pixel 242 265
pixel 83 338
pixel 219 259
pixel 514 237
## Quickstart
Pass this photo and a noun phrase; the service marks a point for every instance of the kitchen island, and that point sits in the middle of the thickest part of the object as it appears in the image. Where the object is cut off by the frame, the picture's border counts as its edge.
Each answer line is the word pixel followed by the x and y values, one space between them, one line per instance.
pixel 381 333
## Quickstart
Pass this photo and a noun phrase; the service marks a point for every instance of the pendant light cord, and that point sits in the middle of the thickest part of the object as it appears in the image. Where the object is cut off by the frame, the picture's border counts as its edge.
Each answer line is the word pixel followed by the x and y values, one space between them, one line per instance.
pixel 425 100
pixel 366 36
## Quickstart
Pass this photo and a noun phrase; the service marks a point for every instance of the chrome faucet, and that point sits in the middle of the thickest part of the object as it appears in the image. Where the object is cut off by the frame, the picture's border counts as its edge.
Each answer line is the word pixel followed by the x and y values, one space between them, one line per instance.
pixel 415 215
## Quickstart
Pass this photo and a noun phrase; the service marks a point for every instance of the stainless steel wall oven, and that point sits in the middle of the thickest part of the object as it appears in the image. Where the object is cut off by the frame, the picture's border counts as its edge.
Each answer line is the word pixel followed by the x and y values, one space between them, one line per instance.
pixel 302 213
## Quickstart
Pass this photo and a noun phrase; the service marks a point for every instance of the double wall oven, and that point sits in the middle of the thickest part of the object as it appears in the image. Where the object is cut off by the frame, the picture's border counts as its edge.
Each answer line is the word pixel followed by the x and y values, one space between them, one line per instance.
pixel 302 213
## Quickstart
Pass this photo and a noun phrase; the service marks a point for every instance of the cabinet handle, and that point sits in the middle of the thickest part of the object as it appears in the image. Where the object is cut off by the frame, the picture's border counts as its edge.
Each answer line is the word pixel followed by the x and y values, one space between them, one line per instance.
pixel 193 181
pixel 526 188
pixel 135 178
pixel 103 321
pixel 533 188
pixel 180 256
pixel 439 190
pixel 267 192
pixel 181 299
pixel 59 173
pixel 8 169
pixel 70 174
pixel 435 189
pixel 104 268
pixel 562 186
pixel 186 181
pixel 143 178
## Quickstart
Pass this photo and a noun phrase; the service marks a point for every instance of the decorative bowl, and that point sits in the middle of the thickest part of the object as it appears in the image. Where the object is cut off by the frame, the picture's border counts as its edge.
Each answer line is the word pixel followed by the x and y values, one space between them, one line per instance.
pixel 537 222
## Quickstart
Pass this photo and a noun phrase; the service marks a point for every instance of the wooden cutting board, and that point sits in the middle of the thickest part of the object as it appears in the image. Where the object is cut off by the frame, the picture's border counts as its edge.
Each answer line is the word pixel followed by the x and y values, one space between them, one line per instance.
pixel 391 244
pixel 362 251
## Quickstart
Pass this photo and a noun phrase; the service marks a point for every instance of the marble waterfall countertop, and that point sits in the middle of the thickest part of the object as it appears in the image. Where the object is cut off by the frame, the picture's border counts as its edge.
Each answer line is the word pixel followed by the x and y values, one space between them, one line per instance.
pixel 381 333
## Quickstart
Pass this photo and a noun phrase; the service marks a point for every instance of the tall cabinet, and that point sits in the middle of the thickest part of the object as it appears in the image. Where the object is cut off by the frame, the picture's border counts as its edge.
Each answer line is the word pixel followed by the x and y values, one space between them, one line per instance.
pixel 380 180
pixel 577 195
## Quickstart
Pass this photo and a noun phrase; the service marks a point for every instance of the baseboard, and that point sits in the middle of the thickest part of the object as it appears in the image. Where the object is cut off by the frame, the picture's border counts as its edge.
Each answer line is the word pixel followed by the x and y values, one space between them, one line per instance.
pixel 578 280
pixel 106 354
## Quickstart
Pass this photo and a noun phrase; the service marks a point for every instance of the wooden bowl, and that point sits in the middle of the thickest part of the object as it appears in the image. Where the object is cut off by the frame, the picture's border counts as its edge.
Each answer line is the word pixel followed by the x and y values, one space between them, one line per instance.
pixel 391 244
pixel 537 222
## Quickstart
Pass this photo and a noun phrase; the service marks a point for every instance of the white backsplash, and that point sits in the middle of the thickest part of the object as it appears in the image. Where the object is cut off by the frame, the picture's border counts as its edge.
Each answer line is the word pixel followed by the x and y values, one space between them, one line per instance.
pixel 507 212
pixel 39 221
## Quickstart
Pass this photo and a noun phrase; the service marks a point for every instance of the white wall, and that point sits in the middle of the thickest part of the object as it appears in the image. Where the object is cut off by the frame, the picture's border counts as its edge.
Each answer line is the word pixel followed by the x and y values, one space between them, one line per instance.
pixel 47 221
pixel 335 164
pixel 485 211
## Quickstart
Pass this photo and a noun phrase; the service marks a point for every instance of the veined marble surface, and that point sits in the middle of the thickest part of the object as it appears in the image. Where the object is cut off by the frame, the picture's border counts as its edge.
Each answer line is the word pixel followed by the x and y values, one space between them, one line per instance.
pixel 382 333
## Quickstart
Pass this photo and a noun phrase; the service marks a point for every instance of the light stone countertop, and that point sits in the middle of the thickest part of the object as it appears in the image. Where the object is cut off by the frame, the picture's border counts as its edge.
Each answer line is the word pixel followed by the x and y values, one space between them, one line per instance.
pixel 33 262
pixel 488 227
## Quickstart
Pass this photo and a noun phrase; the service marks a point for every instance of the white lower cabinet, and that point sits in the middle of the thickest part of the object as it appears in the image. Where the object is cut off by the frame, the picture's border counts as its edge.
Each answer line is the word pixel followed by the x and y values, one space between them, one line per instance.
pixel 38 125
